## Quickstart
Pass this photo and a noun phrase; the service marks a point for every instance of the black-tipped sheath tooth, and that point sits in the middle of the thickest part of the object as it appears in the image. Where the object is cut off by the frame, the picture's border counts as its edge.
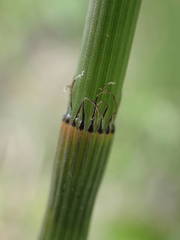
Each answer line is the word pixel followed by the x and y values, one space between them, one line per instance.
pixel 66 118
pixel 91 127
pixel 81 127
pixel 108 130
pixel 74 123
pixel 100 129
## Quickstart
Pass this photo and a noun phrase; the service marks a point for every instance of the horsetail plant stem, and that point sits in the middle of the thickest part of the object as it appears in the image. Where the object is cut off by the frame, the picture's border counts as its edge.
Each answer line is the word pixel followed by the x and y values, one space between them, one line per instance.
pixel 87 129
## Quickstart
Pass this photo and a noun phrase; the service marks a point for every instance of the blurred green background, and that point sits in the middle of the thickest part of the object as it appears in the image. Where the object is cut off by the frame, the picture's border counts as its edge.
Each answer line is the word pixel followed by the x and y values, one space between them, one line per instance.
pixel 39 45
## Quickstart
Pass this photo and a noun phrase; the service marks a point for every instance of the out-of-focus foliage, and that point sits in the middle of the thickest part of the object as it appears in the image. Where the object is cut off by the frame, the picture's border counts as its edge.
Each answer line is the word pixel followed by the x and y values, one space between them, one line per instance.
pixel 39 45
pixel 23 20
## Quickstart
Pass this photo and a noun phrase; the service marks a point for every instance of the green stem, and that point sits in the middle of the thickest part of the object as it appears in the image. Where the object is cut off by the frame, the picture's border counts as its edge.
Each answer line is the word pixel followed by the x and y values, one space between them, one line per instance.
pixel 87 130
pixel 106 45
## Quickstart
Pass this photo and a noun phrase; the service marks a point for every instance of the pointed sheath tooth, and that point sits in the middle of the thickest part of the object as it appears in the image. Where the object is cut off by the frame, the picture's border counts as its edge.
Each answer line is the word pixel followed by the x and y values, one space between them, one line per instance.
pixel 74 123
pixel 100 129
pixel 66 118
pixel 91 127
pixel 108 130
pixel 81 127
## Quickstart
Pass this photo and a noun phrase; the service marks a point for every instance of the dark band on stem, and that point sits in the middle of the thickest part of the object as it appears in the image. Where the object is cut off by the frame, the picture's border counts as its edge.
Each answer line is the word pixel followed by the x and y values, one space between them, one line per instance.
pixel 110 129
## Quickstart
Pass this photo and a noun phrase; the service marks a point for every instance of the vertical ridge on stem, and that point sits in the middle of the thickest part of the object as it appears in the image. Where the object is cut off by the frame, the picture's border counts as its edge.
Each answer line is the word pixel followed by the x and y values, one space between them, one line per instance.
pixel 88 126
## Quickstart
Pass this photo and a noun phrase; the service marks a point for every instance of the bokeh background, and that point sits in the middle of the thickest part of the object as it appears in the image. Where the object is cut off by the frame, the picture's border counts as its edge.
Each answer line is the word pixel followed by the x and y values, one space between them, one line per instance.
pixel 39 48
